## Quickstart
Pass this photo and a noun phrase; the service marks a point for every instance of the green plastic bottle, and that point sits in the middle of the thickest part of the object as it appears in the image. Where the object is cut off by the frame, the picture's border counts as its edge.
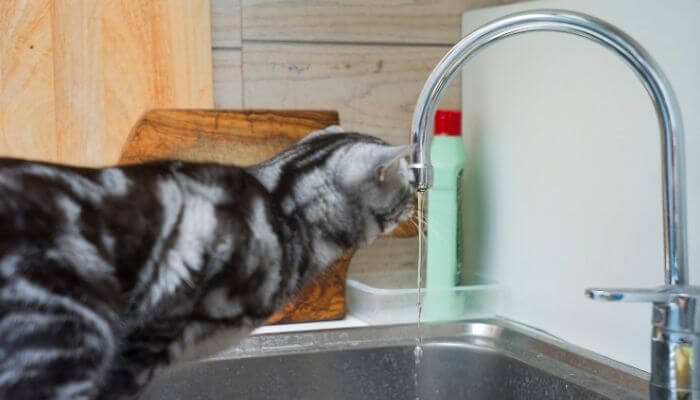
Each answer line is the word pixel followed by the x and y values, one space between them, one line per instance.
pixel 443 258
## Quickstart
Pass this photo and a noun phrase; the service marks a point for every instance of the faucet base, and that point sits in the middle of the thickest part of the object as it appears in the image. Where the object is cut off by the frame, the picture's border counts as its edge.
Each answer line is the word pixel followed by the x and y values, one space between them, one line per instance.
pixel 661 393
pixel 674 373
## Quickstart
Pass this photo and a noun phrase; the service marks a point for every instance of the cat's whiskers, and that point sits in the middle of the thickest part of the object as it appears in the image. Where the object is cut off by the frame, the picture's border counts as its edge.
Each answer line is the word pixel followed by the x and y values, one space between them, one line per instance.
pixel 426 219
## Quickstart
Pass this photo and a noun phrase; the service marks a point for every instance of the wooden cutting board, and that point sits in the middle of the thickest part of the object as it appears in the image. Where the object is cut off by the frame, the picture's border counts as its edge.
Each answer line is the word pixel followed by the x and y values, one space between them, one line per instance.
pixel 75 75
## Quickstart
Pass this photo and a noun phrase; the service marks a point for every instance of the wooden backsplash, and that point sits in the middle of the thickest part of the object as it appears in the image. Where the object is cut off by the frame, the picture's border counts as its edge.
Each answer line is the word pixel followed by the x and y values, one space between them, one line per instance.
pixel 368 59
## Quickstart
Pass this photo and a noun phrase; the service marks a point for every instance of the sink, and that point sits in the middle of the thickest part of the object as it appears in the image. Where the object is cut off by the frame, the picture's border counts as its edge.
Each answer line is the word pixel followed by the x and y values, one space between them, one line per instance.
pixel 491 359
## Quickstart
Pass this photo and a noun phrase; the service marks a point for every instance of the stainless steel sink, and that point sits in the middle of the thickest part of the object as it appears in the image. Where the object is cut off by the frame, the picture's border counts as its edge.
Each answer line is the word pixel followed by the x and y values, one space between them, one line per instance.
pixel 472 360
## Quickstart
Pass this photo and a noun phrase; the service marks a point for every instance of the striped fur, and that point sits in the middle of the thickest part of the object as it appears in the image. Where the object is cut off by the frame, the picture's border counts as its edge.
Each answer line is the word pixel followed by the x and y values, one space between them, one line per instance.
pixel 109 275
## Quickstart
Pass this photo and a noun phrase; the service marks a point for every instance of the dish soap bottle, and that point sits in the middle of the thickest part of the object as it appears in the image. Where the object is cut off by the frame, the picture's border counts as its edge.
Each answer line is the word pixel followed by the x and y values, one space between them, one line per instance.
pixel 443 260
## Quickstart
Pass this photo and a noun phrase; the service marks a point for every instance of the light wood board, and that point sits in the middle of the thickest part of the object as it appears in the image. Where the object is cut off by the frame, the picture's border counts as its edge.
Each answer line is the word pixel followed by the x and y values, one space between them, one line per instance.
pixel 75 75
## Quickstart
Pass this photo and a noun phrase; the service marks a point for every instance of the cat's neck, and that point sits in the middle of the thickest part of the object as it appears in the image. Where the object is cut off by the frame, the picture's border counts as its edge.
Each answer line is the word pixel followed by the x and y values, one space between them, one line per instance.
pixel 305 209
pixel 313 239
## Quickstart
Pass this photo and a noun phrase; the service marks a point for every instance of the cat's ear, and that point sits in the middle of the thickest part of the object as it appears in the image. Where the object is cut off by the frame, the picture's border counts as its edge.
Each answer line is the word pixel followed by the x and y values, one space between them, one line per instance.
pixel 386 160
pixel 329 129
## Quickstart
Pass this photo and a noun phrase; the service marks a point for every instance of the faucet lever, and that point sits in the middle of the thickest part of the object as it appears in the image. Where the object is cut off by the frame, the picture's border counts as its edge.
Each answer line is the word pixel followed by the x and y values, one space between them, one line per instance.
pixel 675 308
pixel 661 294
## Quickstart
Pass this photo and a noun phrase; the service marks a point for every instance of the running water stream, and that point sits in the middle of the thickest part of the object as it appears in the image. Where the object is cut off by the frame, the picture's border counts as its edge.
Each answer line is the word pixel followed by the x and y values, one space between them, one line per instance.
pixel 418 350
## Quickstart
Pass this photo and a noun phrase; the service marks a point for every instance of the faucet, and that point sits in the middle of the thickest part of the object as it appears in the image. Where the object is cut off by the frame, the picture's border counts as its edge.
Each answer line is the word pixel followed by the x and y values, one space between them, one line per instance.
pixel 675 341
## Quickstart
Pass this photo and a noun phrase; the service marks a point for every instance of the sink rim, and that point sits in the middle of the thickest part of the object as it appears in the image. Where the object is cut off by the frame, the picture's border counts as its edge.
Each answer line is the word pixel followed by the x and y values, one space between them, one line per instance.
pixel 533 347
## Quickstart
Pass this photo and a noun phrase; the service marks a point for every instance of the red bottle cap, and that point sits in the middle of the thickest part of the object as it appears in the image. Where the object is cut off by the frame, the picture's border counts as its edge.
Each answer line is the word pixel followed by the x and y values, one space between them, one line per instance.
pixel 448 122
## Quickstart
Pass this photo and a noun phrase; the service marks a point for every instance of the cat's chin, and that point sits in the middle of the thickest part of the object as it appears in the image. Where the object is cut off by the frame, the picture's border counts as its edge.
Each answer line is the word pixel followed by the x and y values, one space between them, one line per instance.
pixel 407 215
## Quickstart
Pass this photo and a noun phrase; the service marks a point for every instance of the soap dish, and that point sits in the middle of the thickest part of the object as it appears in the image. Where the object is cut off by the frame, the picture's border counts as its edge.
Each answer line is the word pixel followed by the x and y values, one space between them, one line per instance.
pixel 391 297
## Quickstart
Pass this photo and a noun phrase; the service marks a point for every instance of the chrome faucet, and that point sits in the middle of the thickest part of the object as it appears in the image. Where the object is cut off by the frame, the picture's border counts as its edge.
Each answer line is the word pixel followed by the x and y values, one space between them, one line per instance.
pixel 675 367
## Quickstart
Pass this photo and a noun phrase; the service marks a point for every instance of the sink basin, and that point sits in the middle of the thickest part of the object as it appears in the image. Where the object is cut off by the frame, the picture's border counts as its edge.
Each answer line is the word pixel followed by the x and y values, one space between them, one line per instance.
pixel 491 359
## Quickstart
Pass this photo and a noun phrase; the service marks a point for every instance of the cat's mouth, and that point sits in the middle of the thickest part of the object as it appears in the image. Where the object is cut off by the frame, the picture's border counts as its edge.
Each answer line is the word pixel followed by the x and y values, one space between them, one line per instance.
pixel 402 213
pixel 408 212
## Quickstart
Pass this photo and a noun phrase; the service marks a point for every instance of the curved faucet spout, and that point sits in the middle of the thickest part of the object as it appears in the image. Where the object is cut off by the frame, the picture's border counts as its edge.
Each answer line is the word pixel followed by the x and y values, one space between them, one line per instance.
pixel 660 91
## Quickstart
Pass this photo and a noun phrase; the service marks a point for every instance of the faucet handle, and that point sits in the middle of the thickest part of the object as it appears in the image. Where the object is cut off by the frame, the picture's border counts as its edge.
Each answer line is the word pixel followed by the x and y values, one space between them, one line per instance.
pixel 676 308
pixel 662 294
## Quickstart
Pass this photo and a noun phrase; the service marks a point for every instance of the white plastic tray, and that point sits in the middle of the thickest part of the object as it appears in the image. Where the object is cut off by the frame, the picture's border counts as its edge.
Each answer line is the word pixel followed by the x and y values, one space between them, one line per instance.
pixel 392 298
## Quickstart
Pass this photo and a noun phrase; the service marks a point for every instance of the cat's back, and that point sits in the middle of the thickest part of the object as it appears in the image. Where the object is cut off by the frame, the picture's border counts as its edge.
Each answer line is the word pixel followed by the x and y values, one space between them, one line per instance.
pixel 67 227
pixel 111 218
pixel 40 201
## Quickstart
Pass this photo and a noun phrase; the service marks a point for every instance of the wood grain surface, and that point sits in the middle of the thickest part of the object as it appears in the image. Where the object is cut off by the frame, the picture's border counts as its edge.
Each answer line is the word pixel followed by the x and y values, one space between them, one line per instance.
pixel 374 88
pixel 27 103
pixel 225 23
pixel 242 138
pixel 367 21
pixel 321 300
pixel 386 254
pixel 228 78
pixel 226 136
pixel 75 75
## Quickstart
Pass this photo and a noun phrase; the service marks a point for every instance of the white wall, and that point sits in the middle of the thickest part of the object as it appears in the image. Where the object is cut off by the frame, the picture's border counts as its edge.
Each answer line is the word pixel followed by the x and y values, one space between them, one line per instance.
pixel 567 148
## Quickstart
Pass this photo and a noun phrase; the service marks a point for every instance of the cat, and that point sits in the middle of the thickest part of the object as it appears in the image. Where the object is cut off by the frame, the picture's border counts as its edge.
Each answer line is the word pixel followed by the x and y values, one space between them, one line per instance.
pixel 109 275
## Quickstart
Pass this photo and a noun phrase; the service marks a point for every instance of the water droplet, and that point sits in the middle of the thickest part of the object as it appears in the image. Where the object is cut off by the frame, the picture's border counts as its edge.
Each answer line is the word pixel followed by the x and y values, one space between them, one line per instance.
pixel 418 353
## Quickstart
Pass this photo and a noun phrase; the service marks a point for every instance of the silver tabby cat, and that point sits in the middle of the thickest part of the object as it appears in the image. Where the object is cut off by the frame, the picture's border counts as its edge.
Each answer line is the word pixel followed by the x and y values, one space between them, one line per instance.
pixel 108 275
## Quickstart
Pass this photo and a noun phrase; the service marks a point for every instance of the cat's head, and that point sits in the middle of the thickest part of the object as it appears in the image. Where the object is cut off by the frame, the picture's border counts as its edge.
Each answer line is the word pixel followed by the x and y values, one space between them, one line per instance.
pixel 352 187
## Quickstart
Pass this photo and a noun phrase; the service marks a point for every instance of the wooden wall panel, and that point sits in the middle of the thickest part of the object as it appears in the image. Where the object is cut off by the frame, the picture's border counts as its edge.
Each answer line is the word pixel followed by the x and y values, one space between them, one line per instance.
pixel 228 84
pixel 367 21
pixel 386 254
pixel 373 87
pixel 225 23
